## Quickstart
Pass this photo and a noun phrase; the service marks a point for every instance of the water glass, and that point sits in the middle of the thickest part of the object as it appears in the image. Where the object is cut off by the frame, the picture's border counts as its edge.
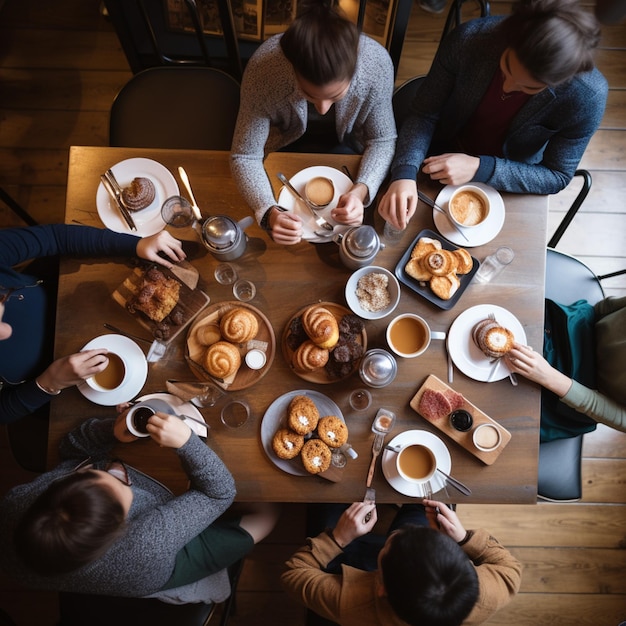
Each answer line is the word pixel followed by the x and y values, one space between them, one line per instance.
pixel 360 399
pixel 235 413
pixel 244 290
pixel 392 234
pixel 225 274
pixel 494 264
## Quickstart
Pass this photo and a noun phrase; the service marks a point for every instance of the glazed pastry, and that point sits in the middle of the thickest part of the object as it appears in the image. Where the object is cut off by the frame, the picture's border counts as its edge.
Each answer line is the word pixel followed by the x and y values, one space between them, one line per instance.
pixel 302 415
pixel 139 194
pixel 332 431
pixel 321 326
pixel 424 246
pixel 445 286
pixel 208 334
pixel 156 295
pixel 439 263
pixel 464 261
pixel 287 444
pixel 239 325
pixel 316 456
pixel 494 340
pixel 222 359
pixel 308 357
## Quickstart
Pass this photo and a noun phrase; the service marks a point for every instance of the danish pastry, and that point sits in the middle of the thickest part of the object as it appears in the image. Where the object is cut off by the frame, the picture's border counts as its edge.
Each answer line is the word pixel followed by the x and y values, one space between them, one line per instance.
pixel 302 416
pixel 439 263
pixel 308 357
pixel 493 339
pixel 155 296
pixel 321 326
pixel 316 456
pixel 445 286
pixel 287 444
pixel 332 431
pixel 139 194
pixel 239 325
pixel 222 359
pixel 415 269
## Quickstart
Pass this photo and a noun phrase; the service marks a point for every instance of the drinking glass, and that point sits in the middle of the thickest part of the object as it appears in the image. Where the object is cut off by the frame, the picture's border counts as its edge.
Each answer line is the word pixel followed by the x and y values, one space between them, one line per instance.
pixel 392 234
pixel 225 274
pixel 235 413
pixel 360 399
pixel 494 264
pixel 244 290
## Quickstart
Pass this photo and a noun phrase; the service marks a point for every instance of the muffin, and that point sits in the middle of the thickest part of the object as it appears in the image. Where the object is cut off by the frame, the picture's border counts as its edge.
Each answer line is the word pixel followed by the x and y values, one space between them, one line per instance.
pixel 316 456
pixel 303 415
pixel 332 431
pixel 287 444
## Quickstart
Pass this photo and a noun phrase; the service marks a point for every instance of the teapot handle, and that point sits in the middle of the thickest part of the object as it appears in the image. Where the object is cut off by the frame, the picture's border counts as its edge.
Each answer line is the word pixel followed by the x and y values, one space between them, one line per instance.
pixel 245 222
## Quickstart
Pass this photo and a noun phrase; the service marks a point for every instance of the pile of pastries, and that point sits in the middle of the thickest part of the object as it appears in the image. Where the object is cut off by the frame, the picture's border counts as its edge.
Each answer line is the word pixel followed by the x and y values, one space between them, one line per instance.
pixel 222 357
pixel 319 341
pixel 309 436
pixel 430 263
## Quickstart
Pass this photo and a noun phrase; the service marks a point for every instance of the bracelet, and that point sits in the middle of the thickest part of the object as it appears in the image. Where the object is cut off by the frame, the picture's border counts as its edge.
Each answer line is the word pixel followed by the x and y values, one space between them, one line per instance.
pixel 468 536
pixel 50 392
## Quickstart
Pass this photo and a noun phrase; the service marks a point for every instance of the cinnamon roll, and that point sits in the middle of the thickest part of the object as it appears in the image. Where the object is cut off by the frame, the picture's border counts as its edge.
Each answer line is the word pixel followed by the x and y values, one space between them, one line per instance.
pixel 239 325
pixel 222 359
pixel 321 326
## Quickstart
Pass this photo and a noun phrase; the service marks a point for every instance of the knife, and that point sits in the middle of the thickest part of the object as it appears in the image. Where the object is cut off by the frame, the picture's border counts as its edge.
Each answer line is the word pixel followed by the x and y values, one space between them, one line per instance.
pixel 122 209
pixel 431 203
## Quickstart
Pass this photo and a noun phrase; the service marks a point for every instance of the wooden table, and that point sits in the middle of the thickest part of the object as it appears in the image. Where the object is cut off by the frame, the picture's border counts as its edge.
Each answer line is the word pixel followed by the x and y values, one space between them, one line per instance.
pixel 286 279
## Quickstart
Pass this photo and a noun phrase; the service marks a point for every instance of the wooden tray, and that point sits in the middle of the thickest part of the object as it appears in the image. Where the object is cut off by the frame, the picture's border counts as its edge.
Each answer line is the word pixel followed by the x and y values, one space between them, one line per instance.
pixel 244 377
pixel 464 439
pixel 320 376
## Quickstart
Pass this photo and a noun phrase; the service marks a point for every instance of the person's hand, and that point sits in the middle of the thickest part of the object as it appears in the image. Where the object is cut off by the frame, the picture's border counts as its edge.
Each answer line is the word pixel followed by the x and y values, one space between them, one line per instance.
pixel 120 429
pixel 349 209
pixel 352 522
pixel 168 431
pixel 71 370
pixel 149 248
pixel 530 364
pixel 451 168
pixel 398 204
pixel 443 518
pixel 285 227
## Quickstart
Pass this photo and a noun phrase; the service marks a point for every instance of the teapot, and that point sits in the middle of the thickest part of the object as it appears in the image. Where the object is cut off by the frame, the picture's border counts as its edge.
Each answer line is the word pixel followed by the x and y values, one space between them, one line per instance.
pixel 225 238
pixel 358 246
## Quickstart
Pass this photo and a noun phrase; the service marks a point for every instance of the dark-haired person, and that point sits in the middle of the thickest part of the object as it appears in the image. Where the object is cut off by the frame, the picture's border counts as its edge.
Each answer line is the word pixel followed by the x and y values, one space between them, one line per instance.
pixel 96 525
pixel 318 87
pixel 28 376
pixel 436 575
pixel 509 101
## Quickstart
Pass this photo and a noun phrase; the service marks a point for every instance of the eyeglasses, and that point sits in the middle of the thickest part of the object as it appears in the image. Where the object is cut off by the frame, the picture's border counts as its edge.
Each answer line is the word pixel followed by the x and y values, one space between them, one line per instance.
pixel 116 468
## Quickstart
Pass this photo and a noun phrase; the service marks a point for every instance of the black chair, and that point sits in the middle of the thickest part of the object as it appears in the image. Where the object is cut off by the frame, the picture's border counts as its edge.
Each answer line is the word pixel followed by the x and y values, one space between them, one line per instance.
pixel 455 14
pixel 191 108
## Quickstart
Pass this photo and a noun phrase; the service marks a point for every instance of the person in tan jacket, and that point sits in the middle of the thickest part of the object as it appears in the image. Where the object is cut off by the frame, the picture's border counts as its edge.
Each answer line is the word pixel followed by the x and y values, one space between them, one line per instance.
pixel 436 575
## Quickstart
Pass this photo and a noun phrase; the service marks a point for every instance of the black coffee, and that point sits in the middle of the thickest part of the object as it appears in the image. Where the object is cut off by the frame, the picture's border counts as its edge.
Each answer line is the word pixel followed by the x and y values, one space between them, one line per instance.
pixel 461 420
pixel 141 417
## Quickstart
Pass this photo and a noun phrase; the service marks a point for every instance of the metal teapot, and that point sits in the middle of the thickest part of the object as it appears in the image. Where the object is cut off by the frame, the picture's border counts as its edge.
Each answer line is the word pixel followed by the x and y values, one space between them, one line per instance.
pixel 358 246
pixel 225 238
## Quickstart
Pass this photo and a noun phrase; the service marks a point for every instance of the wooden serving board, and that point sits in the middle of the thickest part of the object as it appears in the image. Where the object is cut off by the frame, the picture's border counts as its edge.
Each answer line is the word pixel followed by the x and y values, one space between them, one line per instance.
pixel 464 439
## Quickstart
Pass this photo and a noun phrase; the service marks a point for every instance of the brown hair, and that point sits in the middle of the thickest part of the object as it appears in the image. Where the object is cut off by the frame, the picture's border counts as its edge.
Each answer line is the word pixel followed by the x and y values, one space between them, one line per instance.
pixel 321 43
pixel 553 39
pixel 70 524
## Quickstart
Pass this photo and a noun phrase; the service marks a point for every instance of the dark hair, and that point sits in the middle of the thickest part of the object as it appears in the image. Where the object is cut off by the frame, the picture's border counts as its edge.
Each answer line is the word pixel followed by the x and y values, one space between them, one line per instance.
pixel 321 43
pixel 70 524
pixel 429 580
pixel 553 39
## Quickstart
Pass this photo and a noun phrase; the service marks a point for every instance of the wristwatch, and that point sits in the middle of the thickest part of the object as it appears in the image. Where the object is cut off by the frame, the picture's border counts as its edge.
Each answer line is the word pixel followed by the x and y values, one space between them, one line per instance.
pixel 265 220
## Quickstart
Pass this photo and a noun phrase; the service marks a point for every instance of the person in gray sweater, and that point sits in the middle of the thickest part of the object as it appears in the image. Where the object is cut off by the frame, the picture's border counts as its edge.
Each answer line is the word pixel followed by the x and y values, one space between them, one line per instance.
pixel 96 525
pixel 318 87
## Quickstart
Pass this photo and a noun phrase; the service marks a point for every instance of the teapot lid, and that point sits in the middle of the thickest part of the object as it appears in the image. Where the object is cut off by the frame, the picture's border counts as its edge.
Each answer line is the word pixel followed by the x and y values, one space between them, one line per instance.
pixel 220 231
pixel 362 241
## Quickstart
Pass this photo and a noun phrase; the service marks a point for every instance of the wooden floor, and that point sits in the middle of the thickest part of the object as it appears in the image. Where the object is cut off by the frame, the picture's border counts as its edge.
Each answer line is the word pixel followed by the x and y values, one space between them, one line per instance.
pixel 60 68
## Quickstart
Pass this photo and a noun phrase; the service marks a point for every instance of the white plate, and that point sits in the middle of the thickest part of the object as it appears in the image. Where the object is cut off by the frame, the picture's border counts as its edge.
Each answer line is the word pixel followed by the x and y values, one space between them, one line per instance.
pixel 148 220
pixel 353 301
pixel 137 364
pixel 276 416
pixel 466 355
pixel 478 235
pixel 286 199
pixel 176 406
pixel 442 456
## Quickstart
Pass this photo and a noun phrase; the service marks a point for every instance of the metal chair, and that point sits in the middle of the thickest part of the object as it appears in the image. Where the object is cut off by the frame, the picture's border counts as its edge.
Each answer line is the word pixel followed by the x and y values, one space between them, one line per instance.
pixel 191 108
pixel 455 14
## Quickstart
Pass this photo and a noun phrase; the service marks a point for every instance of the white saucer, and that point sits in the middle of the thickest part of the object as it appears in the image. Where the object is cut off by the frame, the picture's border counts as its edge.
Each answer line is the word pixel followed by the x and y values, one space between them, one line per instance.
pixel 169 403
pixel 478 235
pixel 466 355
pixel 148 220
pixel 286 199
pixel 137 365
pixel 442 456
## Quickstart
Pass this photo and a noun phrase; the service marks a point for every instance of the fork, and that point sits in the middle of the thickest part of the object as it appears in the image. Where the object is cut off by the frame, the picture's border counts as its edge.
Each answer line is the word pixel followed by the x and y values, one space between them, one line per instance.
pixel 512 376
pixel 370 496
pixel 319 220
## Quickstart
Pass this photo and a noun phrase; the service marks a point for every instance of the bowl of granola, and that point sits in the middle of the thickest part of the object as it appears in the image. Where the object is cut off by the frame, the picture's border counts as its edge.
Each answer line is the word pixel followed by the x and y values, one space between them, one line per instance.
pixel 372 292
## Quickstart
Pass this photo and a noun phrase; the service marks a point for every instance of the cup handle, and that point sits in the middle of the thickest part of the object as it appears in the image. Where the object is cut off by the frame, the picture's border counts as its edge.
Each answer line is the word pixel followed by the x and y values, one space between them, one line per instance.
pixel 436 334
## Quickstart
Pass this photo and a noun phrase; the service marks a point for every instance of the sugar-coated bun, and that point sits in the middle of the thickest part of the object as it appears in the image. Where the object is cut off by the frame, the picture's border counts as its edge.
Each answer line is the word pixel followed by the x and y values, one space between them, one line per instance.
pixel 239 325
pixel 222 359
pixel 302 415
pixel 321 326
pixel 287 444
pixel 316 456
pixel 308 357
pixel 332 431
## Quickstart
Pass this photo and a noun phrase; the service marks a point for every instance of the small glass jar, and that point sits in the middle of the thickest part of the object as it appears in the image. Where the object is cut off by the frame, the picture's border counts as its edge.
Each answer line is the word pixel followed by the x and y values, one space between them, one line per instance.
pixel 461 420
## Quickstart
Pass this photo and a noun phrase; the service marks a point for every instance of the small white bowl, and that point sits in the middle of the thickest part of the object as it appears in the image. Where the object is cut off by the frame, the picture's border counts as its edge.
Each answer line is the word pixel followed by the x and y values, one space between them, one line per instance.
pixel 393 287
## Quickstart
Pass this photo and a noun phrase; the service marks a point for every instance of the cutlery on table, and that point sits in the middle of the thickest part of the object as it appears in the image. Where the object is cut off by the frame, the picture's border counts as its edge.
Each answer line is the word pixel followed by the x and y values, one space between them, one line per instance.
pixel 116 196
pixel 119 331
pixel 370 493
pixel 457 484
pixel 431 203
pixel 512 376
pixel 450 365
pixel 319 220
pixel 194 204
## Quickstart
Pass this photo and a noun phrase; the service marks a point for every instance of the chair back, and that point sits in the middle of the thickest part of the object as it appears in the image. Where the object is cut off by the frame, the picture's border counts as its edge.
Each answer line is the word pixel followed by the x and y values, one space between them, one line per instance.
pixel 192 108
pixel 402 98
pixel 455 14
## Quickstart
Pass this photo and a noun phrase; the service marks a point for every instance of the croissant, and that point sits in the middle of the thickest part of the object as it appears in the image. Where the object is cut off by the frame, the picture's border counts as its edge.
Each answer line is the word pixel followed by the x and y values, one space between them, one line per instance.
pixel 239 325
pixel 308 357
pixel 222 359
pixel 321 326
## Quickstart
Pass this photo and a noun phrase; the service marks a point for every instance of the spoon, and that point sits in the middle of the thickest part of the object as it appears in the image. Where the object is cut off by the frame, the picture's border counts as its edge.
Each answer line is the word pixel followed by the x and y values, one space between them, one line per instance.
pixel 319 220
pixel 194 204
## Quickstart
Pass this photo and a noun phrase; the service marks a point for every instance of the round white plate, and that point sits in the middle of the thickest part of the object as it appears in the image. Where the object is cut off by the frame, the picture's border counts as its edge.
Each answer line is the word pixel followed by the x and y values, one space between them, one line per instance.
pixel 276 416
pixel 169 403
pixel 148 220
pixel 286 199
pixel 442 456
pixel 478 235
pixel 136 362
pixel 466 355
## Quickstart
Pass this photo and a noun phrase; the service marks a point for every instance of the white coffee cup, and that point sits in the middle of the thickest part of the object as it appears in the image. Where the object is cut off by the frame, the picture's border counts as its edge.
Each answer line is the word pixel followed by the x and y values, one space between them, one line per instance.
pixel 409 335
pixel 137 418
pixel 416 463
pixel 469 206
pixel 112 377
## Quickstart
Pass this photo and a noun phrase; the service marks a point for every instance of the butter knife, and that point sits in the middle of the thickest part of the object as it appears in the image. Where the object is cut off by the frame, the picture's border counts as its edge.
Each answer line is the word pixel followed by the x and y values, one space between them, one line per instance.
pixel 114 195
pixel 431 203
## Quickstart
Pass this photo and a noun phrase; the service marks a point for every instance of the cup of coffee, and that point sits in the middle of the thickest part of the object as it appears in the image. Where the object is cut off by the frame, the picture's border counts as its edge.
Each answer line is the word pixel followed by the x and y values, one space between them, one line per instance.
pixel 416 463
pixel 137 419
pixel 319 191
pixel 469 206
pixel 486 437
pixel 409 335
pixel 112 377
